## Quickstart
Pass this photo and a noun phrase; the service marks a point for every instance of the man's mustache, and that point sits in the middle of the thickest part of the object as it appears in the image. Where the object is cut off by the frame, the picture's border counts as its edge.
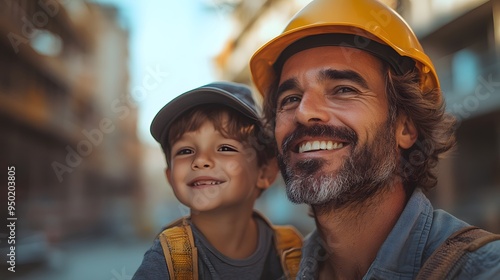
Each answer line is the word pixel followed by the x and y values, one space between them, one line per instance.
pixel 340 133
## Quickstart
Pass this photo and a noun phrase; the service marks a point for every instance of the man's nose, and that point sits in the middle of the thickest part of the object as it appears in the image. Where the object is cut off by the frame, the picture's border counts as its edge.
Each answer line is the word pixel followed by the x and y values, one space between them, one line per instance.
pixel 312 109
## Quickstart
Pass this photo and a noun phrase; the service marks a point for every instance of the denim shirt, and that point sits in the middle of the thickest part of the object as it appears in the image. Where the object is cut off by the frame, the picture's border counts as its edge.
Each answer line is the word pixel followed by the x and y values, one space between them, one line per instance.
pixel 417 234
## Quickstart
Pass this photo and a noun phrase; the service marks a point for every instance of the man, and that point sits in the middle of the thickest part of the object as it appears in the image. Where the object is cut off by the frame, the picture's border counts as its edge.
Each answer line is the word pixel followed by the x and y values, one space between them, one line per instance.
pixel 359 122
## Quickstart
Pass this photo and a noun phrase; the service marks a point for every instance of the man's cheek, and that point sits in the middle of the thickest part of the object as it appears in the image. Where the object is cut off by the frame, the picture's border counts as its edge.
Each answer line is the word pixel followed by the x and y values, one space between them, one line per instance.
pixel 279 132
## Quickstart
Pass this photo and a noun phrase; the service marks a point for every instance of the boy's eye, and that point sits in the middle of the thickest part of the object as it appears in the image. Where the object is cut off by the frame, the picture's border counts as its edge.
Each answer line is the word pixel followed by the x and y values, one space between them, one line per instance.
pixel 227 148
pixel 184 152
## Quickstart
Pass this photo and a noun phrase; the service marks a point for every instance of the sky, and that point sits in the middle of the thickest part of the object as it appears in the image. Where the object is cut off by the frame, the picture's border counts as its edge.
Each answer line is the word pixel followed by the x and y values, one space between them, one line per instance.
pixel 172 43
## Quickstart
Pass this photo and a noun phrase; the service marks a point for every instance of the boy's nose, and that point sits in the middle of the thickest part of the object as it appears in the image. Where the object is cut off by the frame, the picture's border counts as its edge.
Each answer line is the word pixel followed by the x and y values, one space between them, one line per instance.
pixel 201 162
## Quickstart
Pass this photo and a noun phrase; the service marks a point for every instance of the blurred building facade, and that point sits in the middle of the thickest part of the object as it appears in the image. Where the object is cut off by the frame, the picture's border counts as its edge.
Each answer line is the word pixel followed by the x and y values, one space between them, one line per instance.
pixel 67 122
pixel 463 40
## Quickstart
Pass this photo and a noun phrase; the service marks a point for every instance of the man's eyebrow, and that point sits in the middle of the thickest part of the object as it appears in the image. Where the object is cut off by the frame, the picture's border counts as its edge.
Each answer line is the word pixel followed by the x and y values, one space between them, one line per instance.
pixel 331 74
pixel 289 84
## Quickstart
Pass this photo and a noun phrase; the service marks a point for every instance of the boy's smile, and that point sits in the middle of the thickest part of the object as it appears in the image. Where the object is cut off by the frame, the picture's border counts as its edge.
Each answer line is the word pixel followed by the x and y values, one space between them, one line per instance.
pixel 205 181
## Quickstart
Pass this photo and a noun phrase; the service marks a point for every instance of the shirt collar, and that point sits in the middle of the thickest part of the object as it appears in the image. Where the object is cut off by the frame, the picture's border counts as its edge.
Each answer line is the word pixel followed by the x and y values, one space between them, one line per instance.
pixel 401 253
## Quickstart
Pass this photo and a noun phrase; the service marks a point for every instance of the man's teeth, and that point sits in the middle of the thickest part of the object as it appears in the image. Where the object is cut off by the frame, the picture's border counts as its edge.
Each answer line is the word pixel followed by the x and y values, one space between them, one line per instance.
pixel 201 183
pixel 319 145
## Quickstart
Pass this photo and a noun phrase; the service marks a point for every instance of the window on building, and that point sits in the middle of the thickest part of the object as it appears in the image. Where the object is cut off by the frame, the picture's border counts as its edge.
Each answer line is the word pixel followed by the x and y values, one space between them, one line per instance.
pixel 465 70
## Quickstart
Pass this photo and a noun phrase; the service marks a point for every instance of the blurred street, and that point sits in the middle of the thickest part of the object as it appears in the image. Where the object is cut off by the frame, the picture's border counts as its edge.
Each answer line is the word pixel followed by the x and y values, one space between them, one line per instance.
pixel 106 259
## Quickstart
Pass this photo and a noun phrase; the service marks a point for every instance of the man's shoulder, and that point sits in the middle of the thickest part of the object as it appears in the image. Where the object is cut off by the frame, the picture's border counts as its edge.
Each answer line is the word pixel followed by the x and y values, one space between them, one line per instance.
pixel 483 263
pixel 490 251
pixel 443 226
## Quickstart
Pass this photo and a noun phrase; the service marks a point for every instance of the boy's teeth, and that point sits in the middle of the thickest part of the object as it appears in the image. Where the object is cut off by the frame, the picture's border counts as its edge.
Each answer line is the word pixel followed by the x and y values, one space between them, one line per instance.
pixel 200 183
pixel 319 145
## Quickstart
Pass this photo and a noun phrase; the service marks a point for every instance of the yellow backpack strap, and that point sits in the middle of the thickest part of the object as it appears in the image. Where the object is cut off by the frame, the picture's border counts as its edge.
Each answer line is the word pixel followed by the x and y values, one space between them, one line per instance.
pixel 288 242
pixel 180 251
pixel 289 247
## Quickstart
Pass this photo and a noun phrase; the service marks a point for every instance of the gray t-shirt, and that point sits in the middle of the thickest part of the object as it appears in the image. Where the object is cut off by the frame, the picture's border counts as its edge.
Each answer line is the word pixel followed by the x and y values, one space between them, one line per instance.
pixel 264 263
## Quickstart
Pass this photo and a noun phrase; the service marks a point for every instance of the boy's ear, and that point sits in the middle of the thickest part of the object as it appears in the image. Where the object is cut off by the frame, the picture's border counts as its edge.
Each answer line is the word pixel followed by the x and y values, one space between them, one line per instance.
pixel 406 132
pixel 268 174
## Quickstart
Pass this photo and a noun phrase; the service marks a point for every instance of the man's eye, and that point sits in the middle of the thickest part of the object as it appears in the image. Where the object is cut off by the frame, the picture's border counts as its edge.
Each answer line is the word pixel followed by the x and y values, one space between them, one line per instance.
pixel 345 90
pixel 227 148
pixel 289 102
pixel 184 152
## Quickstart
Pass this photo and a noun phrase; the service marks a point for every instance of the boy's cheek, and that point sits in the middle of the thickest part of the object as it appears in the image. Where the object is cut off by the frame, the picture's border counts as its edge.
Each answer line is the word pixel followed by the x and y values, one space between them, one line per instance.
pixel 250 154
pixel 234 167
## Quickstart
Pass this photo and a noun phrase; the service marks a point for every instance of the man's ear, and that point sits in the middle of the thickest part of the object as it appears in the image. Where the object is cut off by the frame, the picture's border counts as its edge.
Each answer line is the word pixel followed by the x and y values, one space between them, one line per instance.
pixel 268 174
pixel 406 132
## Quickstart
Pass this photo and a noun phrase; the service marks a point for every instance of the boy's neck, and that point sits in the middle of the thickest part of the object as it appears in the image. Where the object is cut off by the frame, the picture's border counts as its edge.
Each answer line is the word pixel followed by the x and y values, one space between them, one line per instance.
pixel 233 233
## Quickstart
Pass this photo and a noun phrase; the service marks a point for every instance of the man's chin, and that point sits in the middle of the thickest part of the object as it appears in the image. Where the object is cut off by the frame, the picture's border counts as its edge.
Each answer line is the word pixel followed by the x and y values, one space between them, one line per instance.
pixel 303 168
pixel 297 198
pixel 311 188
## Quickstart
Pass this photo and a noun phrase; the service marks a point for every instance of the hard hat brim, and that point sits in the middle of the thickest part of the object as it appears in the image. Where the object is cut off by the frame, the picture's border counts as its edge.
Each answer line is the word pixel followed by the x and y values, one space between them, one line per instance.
pixel 261 63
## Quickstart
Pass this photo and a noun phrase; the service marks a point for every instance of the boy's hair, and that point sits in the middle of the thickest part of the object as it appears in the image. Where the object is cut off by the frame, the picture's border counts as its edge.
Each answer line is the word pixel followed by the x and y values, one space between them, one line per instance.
pixel 235 126
pixel 212 102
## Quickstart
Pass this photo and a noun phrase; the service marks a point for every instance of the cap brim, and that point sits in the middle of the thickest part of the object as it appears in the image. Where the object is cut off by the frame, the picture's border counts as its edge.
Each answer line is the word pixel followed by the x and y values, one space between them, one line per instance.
pixel 199 96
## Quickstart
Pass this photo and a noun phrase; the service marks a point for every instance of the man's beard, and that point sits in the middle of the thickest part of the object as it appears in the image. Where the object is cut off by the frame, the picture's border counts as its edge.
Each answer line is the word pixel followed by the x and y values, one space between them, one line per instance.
pixel 362 174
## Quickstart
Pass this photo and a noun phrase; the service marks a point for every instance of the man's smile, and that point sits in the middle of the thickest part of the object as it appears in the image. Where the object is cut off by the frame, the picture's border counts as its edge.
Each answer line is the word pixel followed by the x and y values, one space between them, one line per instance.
pixel 311 146
pixel 308 139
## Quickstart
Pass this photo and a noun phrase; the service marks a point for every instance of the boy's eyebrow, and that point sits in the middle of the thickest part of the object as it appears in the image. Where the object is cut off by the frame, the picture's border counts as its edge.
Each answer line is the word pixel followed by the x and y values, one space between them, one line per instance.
pixel 332 74
pixel 289 84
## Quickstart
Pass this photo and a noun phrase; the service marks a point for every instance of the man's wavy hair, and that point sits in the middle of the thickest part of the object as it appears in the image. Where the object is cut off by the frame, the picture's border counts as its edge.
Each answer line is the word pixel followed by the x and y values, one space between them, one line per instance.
pixel 425 109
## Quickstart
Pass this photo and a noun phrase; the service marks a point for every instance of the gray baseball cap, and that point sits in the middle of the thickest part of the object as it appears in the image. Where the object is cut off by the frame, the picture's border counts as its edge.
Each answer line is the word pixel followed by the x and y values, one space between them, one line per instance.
pixel 234 95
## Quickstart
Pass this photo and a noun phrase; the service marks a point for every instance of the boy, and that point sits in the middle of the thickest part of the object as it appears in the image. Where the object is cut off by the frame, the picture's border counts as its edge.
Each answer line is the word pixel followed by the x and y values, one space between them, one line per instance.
pixel 219 158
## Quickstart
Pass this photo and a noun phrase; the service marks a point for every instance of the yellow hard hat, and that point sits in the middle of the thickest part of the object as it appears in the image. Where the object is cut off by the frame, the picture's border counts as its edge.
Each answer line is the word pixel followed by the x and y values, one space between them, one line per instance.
pixel 352 22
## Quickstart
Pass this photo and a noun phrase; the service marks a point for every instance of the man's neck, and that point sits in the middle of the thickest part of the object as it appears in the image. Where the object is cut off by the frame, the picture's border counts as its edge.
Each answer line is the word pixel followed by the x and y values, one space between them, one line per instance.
pixel 354 234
